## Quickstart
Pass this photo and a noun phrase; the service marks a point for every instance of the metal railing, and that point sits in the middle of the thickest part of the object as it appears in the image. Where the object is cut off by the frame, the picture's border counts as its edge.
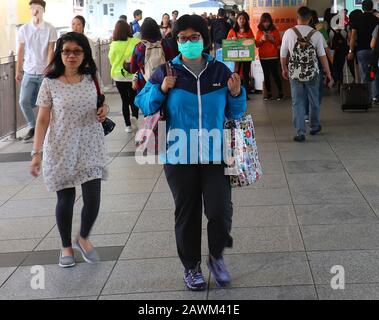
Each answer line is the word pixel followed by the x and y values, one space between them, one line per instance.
pixel 11 117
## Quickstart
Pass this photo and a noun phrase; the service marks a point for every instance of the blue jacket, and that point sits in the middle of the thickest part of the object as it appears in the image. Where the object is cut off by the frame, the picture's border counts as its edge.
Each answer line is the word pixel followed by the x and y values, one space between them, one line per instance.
pixel 195 110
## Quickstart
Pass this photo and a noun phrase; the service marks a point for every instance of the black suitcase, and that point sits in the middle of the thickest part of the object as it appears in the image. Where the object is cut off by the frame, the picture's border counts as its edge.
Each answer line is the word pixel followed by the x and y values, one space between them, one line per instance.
pixel 355 96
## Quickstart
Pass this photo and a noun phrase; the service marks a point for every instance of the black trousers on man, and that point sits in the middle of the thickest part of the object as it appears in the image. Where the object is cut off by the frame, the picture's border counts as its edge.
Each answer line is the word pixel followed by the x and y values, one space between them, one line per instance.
pixel 191 186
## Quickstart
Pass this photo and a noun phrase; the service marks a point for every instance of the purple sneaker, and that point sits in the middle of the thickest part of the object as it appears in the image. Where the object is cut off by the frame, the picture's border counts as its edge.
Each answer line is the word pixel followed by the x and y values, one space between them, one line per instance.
pixel 218 269
pixel 194 280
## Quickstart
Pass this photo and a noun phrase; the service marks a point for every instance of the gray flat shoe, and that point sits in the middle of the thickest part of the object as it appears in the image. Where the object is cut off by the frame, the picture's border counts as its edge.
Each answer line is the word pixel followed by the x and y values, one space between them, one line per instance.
pixel 66 262
pixel 89 257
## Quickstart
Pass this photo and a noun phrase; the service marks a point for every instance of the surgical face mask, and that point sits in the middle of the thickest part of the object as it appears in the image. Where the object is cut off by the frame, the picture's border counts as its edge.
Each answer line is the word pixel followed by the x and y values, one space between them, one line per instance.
pixel 191 50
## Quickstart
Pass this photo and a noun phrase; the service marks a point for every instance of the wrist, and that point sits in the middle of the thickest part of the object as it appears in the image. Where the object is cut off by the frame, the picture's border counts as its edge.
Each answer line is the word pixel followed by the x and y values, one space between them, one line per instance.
pixel 35 153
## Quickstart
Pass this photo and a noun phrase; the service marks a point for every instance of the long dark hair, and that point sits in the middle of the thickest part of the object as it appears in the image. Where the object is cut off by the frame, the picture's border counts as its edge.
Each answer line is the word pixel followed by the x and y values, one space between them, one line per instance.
pixel 122 31
pixel 247 25
pixel 81 19
pixel 150 30
pixel 56 68
pixel 169 22
pixel 266 17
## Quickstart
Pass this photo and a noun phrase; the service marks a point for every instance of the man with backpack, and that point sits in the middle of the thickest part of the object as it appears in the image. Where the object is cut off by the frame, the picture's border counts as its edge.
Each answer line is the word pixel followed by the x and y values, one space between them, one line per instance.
pixel 303 45
pixel 219 29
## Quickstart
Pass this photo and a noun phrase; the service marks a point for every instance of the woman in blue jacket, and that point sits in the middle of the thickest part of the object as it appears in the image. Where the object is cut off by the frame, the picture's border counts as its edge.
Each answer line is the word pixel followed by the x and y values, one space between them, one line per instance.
pixel 200 94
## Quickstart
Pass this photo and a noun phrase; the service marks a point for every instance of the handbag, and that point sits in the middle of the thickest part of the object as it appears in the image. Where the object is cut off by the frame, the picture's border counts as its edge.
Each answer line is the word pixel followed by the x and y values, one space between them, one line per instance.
pixel 143 139
pixel 108 124
pixel 242 156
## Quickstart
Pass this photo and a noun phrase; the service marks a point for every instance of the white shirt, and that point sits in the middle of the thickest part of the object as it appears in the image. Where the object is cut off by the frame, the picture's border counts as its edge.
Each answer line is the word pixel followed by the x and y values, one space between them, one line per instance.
pixel 290 38
pixel 36 42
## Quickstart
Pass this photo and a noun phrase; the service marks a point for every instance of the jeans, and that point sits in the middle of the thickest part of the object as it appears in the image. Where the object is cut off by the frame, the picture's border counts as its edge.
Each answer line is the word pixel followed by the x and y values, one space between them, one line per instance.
pixel 30 85
pixel 305 94
pixel 321 77
pixel 364 59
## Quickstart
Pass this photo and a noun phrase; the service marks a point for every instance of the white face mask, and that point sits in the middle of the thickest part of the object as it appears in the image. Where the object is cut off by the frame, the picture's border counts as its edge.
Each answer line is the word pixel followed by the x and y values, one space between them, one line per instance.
pixel 37 14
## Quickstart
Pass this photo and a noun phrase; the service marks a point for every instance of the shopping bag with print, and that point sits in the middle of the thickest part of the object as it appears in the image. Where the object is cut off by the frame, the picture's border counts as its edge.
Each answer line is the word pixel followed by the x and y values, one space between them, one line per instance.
pixel 241 149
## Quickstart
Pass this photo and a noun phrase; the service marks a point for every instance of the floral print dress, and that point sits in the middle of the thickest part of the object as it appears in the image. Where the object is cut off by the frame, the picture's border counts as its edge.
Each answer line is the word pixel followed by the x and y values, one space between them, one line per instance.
pixel 74 149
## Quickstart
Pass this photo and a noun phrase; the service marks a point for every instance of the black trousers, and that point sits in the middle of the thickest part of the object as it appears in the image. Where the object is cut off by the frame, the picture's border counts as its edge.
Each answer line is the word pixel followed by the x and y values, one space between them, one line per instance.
pixel 191 186
pixel 65 208
pixel 271 67
pixel 246 68
pixel 127 96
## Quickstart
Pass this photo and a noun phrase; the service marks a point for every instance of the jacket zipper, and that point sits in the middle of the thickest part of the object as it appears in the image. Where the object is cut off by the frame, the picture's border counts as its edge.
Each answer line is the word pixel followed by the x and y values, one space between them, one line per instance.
pixel 200 107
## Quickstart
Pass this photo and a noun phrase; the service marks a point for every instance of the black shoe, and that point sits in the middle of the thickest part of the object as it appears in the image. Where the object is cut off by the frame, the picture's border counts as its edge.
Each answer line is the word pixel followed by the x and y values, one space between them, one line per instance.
pixel 280 97
pixel 29 135
pixel 314 132
pixel 248 98
pixel 268 97
pixel 299 138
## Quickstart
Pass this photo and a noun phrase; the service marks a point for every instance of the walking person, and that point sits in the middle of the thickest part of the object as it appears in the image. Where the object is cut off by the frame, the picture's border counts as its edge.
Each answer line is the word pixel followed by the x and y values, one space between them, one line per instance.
pixel 36 41
pixel 121 50
pixel 304 43
pixel 242 30
pixel 150 53
pixel 199 96
pixel 268 44
pixel 362 29
pixel 70 131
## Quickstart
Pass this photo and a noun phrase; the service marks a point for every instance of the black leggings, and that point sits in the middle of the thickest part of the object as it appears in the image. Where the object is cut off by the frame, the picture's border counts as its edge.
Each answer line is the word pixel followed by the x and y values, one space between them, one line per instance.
pixel 91 191
pixel 271 67
pixel 245 67
pixel 127 96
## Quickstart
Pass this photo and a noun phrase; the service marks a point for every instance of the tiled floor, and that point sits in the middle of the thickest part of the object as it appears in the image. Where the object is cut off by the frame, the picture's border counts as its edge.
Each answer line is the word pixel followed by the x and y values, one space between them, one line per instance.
pixel 316 206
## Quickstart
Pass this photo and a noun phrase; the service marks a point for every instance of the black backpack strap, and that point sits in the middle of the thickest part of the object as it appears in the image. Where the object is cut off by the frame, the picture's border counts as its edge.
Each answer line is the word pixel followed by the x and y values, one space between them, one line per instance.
pixel 310 35
pixel 299 35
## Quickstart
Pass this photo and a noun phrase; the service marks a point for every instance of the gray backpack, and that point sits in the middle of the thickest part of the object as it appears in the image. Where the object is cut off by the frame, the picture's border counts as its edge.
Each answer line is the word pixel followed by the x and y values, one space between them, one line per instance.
pixel 303 63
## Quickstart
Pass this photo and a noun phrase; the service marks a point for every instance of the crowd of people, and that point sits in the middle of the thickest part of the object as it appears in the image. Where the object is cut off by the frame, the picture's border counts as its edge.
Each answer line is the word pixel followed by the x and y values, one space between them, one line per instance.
pixel 170 65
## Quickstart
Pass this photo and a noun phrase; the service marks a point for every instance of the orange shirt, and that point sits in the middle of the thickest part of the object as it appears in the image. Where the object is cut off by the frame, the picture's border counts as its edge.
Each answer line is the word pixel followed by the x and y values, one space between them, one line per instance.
pixel 267 49
pixel 241 35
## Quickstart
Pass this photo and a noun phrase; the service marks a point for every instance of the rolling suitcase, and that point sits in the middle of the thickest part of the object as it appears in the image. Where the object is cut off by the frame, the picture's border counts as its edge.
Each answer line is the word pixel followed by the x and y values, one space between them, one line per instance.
pixel 354 96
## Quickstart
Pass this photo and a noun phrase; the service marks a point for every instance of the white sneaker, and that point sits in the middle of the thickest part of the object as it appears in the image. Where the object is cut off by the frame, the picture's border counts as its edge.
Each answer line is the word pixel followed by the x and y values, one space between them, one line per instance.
pixel 128 129
pixel 133 120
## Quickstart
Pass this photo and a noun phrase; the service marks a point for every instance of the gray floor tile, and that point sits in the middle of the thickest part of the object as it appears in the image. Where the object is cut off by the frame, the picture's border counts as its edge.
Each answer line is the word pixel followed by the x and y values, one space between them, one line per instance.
pixel 160 201
pixel 269 181
pixel 321 188
pixel 8 246
pixel 138 172
pixel 313 166
pixel 361 165
pixel 264 216
pixel 308 151
pixel 7 192
pixel 341 237
pixel 128 186
pixel 367 291
pixel 163 295
pixel 12 259
pixel 156 220
pixel 266 239
pixel 25 228
pixel 268 269
pixel 261 197
pixel 361 266
pixel 265 293
pixel 82 280
pixel 28 208
pixel 330 214
pixel 5 273
pixel 152 275
pixel 101 240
